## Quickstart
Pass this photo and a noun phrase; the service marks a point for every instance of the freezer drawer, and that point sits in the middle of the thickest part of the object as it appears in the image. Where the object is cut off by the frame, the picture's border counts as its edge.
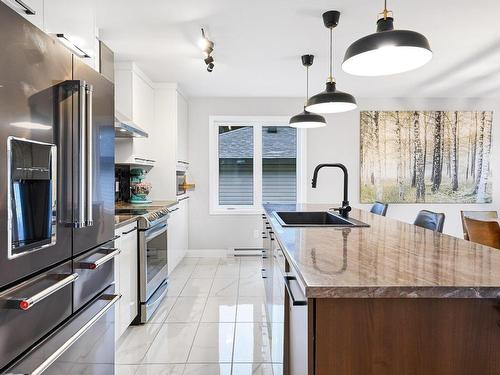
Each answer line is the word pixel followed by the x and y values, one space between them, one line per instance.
pixel 96 271
pixel 30 310
pixel 84 345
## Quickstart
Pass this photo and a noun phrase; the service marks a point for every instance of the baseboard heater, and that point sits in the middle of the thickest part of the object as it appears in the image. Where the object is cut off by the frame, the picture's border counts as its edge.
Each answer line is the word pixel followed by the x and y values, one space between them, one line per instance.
pixel 242 251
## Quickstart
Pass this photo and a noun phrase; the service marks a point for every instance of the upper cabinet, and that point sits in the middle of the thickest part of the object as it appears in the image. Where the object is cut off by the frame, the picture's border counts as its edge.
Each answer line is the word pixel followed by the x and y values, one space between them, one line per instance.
pixel 75 19
pixel 134 100
pixel 182 128
pixel 134 94
pixel 32 10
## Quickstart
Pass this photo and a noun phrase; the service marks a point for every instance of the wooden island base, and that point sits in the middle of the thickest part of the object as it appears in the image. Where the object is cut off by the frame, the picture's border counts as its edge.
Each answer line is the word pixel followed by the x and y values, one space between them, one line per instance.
pixel 407 336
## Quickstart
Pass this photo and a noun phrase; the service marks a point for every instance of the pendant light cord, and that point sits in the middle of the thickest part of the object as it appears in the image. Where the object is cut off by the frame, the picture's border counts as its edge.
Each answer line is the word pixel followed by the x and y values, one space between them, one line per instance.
pixel 385 10
pixel 330 78
pixel 307 83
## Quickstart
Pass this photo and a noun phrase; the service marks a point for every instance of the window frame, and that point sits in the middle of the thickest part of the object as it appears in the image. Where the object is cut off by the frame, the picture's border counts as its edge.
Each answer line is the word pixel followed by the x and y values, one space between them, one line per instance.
pixel 257 123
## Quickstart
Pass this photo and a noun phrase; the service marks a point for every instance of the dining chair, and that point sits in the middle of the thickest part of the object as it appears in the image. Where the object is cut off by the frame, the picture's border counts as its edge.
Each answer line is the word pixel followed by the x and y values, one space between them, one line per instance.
pixel 479 215
pixel 379 208
pixel 483 232
pixel 430 220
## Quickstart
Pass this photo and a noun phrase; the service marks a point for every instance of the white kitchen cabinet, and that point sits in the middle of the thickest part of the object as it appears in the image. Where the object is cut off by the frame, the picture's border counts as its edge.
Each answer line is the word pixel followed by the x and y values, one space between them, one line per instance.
pixel 75 19
pixel 126 278
pixel 134 99
pixel 177 234
pixel 182 128
pixel 32 10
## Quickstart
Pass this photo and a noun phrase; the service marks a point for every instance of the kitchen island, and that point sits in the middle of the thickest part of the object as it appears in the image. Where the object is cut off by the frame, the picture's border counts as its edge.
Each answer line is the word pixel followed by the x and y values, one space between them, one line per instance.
pixel 391 298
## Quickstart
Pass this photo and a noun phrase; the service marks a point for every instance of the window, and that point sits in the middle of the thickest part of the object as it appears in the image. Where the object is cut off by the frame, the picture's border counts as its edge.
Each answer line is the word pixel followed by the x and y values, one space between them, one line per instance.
pixel 253 161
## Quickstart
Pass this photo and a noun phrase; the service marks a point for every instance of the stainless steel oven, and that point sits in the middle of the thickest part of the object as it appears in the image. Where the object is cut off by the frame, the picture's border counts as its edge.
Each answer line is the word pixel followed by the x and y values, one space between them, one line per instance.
pixel 153 268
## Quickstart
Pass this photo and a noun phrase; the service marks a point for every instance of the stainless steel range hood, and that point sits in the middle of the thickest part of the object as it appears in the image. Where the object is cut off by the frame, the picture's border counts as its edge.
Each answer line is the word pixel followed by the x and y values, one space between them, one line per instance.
pixel 126 128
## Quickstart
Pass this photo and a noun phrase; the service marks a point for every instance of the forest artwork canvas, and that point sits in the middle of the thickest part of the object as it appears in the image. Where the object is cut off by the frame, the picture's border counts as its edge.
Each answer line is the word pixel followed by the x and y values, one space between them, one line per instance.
pixel 426 156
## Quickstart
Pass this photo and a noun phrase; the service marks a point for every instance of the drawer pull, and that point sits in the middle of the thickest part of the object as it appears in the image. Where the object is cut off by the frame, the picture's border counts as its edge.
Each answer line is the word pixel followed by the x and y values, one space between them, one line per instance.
pixel 64 347
pixel 130 231
pixel 27 303
pixel 27 9
pixel 295 302
pixel 99 262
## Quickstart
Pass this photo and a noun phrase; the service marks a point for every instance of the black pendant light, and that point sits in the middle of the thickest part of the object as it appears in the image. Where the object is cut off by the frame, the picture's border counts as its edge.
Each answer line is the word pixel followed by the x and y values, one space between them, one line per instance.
pixel 331 100
pixel 388 51
pixel 307 119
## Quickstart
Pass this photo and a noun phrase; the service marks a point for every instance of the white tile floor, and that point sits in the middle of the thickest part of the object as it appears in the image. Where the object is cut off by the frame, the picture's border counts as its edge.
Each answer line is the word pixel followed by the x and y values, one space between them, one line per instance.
pixel 213 322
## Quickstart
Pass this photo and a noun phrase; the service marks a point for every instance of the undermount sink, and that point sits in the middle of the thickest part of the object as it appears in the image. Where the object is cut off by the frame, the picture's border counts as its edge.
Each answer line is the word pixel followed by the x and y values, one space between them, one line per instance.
pixel 316 219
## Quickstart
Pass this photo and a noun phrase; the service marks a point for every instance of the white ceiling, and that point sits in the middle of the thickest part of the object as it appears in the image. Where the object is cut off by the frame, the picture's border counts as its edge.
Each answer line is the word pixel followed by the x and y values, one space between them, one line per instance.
pixel 258 45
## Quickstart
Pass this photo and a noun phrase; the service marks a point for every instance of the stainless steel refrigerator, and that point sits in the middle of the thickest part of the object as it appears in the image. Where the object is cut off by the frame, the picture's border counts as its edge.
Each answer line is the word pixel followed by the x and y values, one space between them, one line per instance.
pixel 56 197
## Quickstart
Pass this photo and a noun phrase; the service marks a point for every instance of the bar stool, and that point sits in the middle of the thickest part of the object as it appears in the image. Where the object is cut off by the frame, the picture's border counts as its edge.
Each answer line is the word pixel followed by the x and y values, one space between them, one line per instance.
pixel 379 208
pixel 430 220
pixel 479 215
pixel 483 232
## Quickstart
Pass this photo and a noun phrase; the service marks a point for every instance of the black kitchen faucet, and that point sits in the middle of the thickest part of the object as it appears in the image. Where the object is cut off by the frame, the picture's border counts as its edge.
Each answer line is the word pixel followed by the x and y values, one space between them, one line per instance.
pixel 344 210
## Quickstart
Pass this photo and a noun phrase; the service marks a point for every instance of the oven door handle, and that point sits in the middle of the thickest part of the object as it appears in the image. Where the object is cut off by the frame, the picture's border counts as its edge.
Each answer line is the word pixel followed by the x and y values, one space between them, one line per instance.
pixel 64 347
pixel 28 302
pixel 155 232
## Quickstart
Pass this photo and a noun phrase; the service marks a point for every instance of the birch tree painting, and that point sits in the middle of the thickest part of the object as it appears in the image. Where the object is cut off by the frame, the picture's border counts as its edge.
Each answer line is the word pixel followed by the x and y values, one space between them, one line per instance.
pixel 432 157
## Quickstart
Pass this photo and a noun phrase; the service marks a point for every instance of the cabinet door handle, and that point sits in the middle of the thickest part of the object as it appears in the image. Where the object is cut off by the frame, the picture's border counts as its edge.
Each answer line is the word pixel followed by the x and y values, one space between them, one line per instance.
pixel 173 209
pixel 27 9
pixel 99 262
pixel 28 302
pixel 130 231
pixel 182 199
pixel 295 302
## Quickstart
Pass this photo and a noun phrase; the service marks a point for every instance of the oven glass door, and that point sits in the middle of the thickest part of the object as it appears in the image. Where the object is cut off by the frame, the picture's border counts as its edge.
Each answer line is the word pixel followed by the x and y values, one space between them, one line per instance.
pixel 156 256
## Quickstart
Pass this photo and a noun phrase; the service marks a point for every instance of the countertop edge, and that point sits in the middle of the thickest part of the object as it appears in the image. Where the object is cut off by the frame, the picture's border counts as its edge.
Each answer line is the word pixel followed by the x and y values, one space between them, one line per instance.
pixel 126 222
pixel 135 217
pixel 418 291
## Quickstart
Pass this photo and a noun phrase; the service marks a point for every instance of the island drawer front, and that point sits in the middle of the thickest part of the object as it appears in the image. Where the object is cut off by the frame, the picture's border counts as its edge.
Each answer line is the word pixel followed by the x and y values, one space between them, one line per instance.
pixel 411 336
pixel 281 261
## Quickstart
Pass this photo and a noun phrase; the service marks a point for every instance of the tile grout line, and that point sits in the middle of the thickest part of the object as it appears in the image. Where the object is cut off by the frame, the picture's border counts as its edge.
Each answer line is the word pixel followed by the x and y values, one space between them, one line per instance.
pixel 157 333
pixel 199 321
pixel 236 316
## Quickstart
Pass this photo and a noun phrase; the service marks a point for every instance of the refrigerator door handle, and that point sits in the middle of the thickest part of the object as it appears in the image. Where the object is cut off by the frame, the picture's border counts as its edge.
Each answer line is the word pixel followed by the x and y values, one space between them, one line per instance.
pixel 82 131
pixel 89 155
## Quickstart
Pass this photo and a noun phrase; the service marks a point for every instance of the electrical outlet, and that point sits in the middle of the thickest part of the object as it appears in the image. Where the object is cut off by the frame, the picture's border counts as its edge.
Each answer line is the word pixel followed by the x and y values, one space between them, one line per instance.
pixel 256 233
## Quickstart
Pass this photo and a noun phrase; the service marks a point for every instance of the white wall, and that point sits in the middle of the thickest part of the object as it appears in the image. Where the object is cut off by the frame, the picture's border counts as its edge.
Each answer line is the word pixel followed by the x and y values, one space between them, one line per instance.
pixel 337 142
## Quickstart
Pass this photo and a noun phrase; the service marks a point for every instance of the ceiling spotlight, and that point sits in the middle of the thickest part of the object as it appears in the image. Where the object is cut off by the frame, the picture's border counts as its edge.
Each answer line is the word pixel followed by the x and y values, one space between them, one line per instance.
pixel 209 60
pixel 206 45
pixel 210 67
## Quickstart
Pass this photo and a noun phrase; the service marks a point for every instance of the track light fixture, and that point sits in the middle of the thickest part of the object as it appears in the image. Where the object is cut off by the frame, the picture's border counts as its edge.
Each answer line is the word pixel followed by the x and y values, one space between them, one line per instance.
pixel 207 46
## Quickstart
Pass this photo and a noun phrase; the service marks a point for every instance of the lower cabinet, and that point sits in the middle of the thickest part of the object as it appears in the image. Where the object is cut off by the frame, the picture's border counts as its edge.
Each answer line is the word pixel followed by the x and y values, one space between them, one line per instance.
pixel 178 233
pixel 126 277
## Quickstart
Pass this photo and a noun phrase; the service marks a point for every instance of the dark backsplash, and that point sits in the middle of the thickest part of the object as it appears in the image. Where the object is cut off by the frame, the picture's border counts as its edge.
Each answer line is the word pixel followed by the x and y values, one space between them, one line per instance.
pixel 122 177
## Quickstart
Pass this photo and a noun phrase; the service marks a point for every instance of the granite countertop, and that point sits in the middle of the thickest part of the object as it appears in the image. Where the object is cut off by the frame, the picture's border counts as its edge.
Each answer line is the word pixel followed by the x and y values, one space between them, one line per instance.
pixel 390 259
pixel 122 219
